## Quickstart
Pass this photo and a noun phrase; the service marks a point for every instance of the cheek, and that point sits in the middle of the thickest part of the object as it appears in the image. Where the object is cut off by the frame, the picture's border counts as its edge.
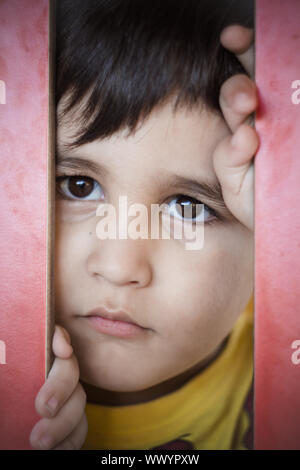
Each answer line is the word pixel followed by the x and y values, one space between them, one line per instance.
pixel 209 288
pixel 71 244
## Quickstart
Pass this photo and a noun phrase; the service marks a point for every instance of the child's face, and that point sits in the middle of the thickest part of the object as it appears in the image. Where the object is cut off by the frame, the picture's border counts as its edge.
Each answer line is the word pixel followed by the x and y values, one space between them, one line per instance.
pixel 186 301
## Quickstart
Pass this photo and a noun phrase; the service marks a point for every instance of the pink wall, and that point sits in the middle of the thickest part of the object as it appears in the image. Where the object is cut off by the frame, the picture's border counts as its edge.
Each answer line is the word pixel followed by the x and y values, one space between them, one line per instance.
pixel 277 228
pixel 23 213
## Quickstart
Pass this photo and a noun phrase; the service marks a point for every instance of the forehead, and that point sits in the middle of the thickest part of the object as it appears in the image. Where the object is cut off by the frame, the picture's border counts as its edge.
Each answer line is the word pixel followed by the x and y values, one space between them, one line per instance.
pixel 181 141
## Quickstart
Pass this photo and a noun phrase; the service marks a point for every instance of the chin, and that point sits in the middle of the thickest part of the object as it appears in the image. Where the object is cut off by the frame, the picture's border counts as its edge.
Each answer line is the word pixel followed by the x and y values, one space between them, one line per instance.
pixel 118 382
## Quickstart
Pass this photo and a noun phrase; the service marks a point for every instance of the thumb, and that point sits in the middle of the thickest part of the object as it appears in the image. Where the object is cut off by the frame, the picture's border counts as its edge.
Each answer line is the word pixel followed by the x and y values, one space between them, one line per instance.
pixel 61 343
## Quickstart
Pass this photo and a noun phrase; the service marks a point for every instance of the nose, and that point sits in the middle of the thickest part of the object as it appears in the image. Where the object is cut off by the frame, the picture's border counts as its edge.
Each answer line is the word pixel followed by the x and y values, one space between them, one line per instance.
pixel 121 262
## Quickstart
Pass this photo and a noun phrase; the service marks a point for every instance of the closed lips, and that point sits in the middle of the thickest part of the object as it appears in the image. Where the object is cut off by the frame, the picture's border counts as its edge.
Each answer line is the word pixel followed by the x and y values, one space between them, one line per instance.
pixel 119 315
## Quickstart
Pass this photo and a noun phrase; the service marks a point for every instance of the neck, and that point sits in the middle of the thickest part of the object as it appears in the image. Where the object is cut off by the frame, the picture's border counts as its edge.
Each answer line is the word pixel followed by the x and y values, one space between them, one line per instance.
pixel 111 398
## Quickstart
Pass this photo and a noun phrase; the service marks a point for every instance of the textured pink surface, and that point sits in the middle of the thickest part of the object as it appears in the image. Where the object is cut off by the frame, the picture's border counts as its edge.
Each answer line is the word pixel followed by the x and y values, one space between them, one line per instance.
pixel 23 213
pixel 277 229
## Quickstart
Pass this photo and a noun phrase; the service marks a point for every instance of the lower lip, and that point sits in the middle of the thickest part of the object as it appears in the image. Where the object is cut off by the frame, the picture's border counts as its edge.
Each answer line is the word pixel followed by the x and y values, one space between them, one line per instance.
pixel 117 328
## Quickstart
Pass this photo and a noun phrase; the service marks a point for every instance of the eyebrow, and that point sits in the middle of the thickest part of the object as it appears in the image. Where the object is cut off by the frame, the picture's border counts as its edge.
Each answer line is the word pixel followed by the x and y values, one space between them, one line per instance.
pixel 81 164
pixel 210 190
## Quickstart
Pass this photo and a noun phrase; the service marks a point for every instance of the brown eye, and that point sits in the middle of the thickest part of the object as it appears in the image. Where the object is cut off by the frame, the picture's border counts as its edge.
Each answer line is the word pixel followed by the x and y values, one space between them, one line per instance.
pixel 187 208
pixel 79 187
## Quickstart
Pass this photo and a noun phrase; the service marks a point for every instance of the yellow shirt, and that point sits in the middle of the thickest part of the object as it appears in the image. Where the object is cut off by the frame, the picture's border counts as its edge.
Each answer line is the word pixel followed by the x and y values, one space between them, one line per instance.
pixel 207 412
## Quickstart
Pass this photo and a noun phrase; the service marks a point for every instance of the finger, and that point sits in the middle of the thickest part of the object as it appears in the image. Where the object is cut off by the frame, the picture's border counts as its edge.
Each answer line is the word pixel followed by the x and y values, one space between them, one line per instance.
pixel 77 437
pixel 233 164
pixel 61 343
pixel 238 100
pixel 247 59
pixel 240 40
pixel 59 386
pixel 49 432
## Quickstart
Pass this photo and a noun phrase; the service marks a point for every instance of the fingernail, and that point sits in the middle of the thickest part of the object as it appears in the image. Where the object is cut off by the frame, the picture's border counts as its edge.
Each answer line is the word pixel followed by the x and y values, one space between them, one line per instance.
pixel 241 99
pixel 45 442
pixel 51 405
pixel 66 335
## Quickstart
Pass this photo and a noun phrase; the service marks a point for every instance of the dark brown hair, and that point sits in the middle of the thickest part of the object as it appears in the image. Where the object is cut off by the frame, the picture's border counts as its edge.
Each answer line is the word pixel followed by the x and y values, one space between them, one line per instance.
pixel 129 56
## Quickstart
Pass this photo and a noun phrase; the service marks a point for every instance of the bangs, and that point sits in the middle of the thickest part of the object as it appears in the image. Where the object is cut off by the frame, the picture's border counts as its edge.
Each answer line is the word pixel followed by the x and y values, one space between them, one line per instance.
pixel 118 60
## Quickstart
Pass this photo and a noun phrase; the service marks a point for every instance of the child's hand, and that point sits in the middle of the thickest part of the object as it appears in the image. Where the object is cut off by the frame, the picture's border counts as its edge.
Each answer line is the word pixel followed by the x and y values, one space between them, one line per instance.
pixel 61 401
pixel 233 157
